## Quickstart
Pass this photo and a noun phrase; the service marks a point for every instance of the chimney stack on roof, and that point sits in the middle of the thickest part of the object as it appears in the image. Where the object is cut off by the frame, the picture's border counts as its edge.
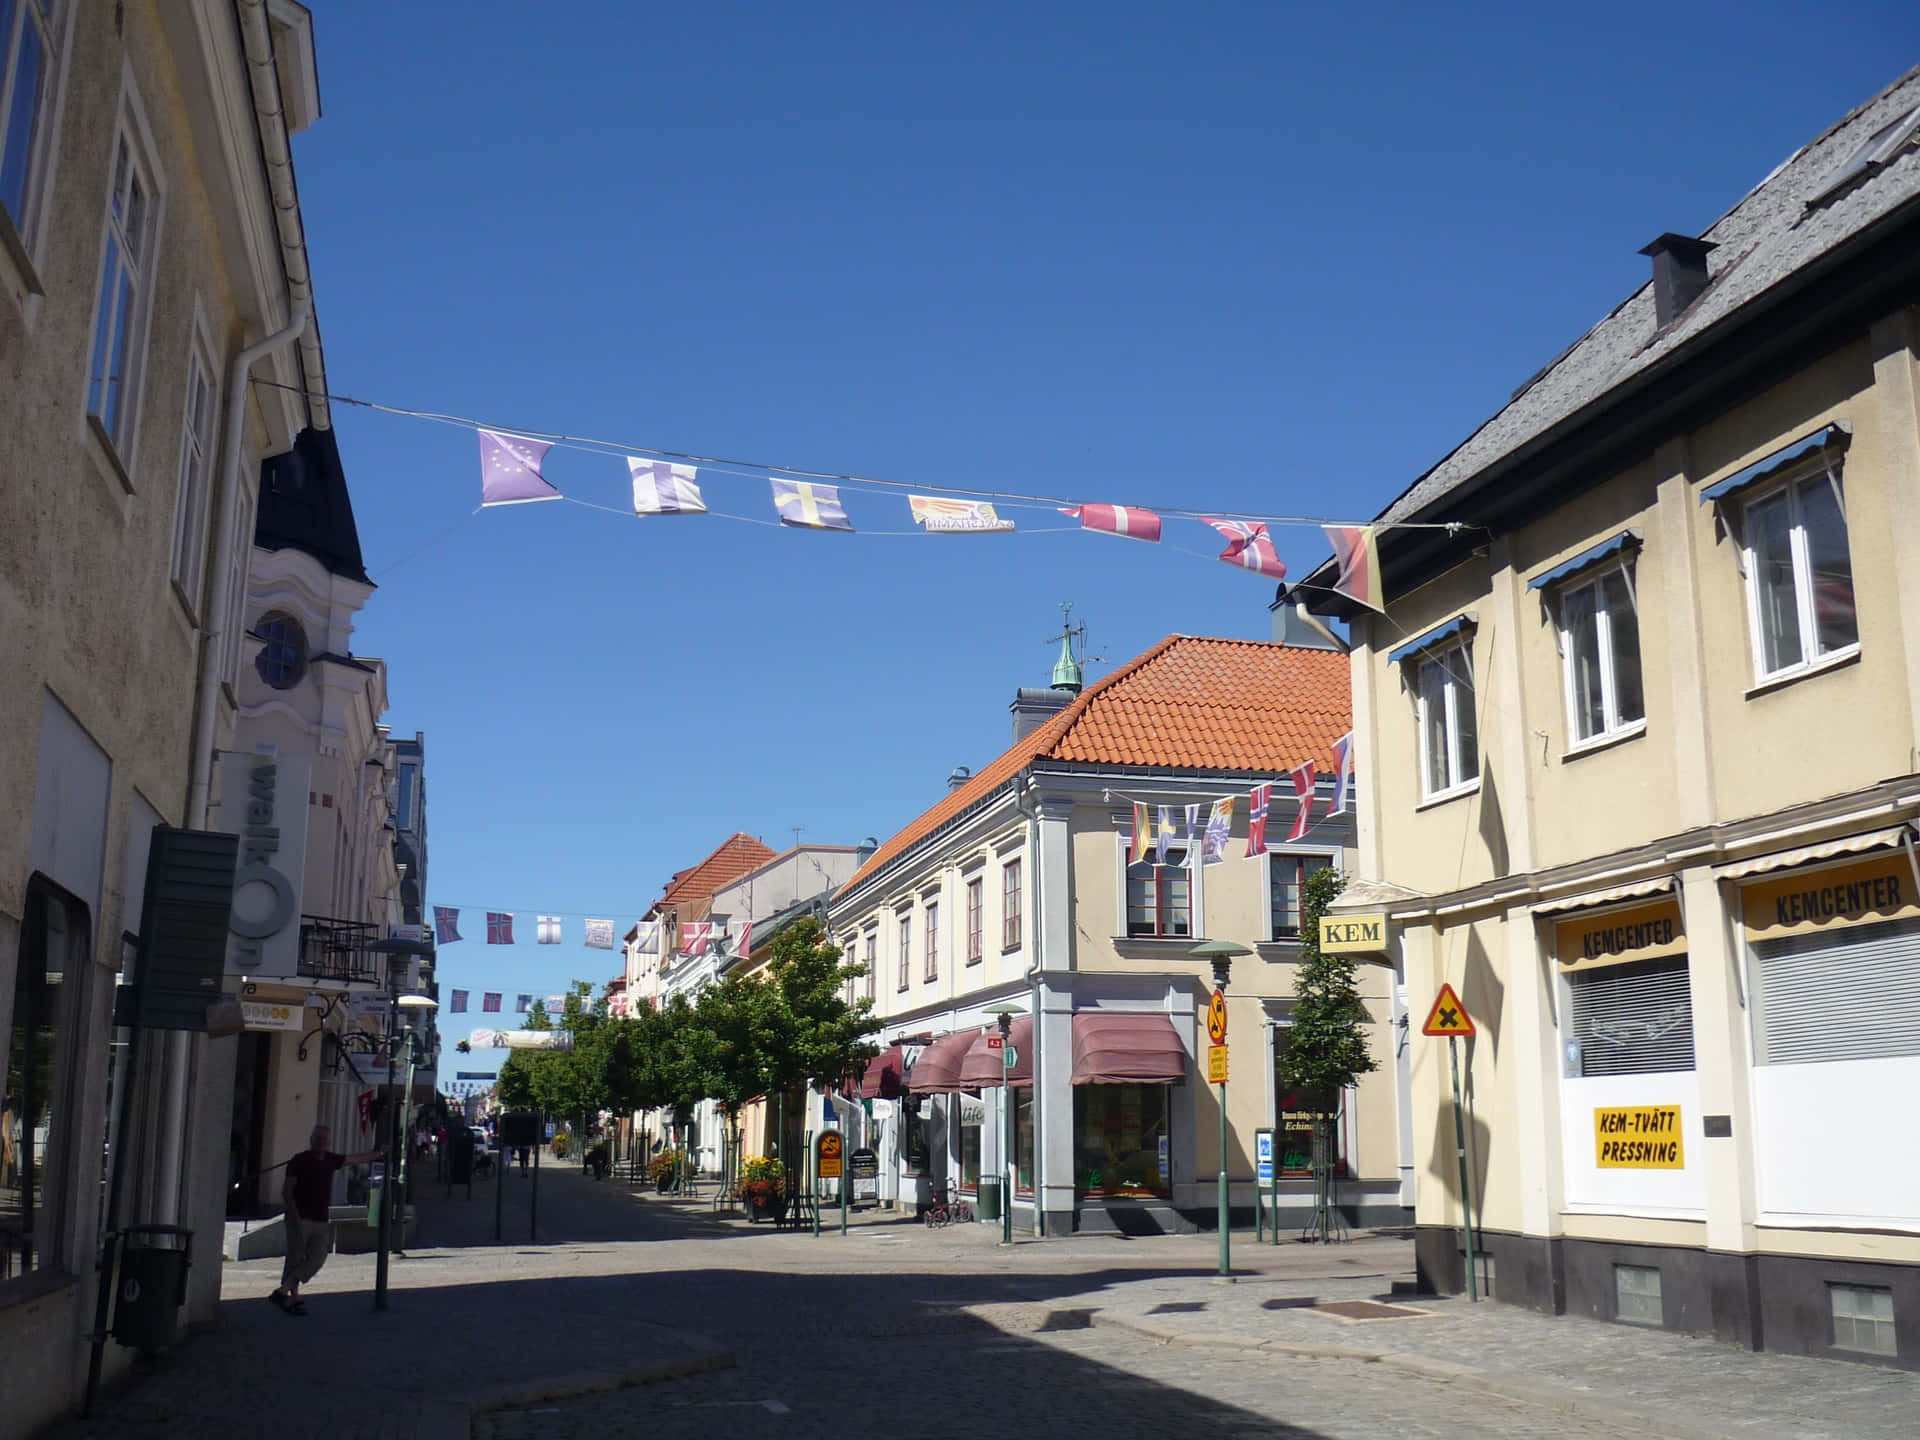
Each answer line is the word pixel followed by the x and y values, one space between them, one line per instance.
pixel 1679 274
pixel 961 774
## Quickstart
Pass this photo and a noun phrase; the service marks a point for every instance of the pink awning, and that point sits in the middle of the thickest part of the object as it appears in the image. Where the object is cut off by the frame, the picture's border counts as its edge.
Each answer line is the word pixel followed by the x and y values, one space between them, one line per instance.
pixel 937 1071
pixel 984 1068
pixel 882 1080
pixel 1120 1048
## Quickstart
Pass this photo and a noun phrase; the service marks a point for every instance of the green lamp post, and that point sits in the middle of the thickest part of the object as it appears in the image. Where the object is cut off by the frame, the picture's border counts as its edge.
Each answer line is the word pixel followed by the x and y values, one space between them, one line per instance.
pixel 393 949
pixel 1221 954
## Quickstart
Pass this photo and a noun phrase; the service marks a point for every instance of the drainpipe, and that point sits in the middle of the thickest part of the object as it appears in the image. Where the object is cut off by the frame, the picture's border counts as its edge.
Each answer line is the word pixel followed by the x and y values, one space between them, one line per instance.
pixel 1032 815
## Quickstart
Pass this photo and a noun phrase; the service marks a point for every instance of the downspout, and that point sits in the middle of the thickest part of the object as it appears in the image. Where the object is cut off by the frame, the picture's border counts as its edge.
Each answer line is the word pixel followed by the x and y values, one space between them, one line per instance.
pixel 1031 814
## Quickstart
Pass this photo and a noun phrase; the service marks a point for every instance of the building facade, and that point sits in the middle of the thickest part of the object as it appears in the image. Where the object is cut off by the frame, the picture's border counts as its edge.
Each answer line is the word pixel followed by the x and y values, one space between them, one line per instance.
pixel 151 258
pixel 1637 754
pixel 1018 894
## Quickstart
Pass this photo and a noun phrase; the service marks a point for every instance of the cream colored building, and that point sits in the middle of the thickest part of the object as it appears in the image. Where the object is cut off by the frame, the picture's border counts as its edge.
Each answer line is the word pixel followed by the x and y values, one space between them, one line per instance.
pixel 1014 894
pixel 1637 752
pixel 149 236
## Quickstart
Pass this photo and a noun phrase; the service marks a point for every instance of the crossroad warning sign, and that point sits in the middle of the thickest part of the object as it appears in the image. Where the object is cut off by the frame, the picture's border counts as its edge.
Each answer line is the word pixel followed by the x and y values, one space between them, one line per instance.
pixel 1448 1016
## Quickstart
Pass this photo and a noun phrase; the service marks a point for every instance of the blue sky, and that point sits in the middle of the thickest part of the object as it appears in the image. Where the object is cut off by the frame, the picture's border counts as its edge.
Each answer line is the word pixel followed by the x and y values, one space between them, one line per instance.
pixel 1235 256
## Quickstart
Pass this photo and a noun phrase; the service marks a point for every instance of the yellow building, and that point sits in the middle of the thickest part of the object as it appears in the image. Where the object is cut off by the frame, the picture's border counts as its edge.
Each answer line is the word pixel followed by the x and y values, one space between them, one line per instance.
pixel 1637 753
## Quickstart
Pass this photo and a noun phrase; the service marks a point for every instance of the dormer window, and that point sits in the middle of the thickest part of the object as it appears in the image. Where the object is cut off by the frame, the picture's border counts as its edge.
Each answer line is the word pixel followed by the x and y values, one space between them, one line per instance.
pixel 283 657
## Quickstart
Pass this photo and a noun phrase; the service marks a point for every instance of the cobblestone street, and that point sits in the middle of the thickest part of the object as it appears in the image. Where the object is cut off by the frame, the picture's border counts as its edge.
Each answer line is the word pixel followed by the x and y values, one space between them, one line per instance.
pixel 635 1315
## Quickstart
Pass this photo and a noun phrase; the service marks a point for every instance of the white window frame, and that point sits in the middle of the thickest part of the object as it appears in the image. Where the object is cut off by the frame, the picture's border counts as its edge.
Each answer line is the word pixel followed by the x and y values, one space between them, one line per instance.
pixel 1803 596
pixel 188 569
pixel 1196 891
pixel 1017 889
pixel 976 893
pixel 873 961
pixel 1286 852
pixel 1440 654
pixel 22 235
pixel 1613 727
pixel 930 942
pixel 132 131
pixel 904 927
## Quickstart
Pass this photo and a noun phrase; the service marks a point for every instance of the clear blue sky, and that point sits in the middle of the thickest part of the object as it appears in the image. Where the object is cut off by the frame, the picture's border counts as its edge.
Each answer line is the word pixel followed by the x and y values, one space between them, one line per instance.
pixel 1275 259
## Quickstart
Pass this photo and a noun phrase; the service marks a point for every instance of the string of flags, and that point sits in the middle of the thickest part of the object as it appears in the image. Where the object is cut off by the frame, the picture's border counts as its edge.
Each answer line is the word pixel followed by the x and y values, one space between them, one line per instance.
pixel 547 928
pixel 1155 832
pixel 510 474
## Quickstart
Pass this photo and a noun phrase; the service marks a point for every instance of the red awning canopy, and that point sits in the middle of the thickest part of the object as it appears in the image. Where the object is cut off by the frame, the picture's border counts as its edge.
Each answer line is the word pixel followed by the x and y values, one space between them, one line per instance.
pixel 1120 1048
pixel 882 1080
pixel 937 1071
pixel 984 1068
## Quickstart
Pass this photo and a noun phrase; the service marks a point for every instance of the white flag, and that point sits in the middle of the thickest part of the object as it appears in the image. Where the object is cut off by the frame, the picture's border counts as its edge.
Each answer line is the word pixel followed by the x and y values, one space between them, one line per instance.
pixel 549 929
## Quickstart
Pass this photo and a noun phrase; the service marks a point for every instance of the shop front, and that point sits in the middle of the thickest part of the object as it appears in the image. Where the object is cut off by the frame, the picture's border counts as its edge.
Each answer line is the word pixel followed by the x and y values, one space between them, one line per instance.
pixel 1125 1066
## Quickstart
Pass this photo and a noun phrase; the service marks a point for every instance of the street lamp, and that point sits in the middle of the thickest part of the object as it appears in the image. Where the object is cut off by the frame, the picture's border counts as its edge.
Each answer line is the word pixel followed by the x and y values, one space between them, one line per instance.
pixel 1007 1060
pixel 393 949
pixel 1221 953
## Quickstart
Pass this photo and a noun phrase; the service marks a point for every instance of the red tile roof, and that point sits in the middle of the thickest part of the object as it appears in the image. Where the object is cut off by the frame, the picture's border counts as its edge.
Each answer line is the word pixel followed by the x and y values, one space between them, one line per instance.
pixel 736 855
pixel 1189 703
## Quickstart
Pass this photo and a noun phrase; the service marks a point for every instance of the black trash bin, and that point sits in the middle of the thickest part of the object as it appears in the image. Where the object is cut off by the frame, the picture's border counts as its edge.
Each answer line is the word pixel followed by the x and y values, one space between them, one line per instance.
pixel 460 1158
pixel 152 1285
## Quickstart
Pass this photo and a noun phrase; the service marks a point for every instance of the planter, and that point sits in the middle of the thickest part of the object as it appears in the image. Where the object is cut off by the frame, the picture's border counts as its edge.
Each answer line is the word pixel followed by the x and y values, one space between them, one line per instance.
pixel 773 1209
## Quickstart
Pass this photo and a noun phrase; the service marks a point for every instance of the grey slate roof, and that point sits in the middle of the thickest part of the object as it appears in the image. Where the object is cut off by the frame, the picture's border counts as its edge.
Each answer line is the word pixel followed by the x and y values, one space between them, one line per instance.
pixel 1772 233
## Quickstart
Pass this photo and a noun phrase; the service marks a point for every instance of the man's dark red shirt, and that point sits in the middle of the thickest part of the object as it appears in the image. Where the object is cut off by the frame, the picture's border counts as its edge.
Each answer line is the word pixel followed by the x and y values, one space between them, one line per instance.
pixel 312 1175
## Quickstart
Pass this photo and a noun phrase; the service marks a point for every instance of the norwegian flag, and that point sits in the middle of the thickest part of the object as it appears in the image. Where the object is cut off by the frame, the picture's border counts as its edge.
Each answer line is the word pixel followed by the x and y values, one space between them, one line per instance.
pixel 446 924
pixel 1127 520
pixel 1303 792
pixel 490 1003
pixel 459 1006
pixel 1257 801
pixel 499 928
pixel 1250 547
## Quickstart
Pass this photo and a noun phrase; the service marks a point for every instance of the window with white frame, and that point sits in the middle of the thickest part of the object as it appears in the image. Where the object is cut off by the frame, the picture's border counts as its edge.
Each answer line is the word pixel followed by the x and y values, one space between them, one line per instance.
pixel 906 949
pixel 976 918
pixel 931 940
pixel 1286 887
pixel 1010 904
pixel 1600 647
pixel 1449 730
pixel 196 467
pixel 1799 574
pixel 29 68
pixel 126 276
pixel 1160 897
pixel 873 961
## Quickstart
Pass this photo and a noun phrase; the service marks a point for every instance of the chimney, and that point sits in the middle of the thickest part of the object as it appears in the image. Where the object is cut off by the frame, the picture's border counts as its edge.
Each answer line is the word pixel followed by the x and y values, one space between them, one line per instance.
pixel 961 774
pixel 1293 626
pixel 864 851
pixel 1679 274
pixel 1033 708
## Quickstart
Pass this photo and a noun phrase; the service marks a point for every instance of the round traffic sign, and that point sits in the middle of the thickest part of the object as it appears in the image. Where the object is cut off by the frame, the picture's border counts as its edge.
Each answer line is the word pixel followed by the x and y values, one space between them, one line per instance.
pixel 1217 1019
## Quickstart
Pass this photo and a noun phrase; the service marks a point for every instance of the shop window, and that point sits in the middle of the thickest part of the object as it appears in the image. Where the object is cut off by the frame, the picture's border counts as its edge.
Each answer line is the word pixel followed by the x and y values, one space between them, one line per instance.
pixel 1799 575
pixel 1863 1319
pixel 1634 1019
pixel 1600 645
pixel 1838 997
pixel 36 1110
pixel 1449 730
pixel 970 1118
pixel 1300 1112
pixel 1636 1295
pixel 1120 1140
pixel 1287 877
pixel 1023 1140
pixel 1160 897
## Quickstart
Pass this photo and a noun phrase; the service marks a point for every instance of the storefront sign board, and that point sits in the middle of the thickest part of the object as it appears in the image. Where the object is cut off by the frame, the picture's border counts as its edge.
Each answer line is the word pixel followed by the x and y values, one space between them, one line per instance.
pixel 863 1165
pixel 1354 934
pixel 1638 1137
pixel 1216 1064
pixel 1618 937
pixel 1804 902
pixel 264 1015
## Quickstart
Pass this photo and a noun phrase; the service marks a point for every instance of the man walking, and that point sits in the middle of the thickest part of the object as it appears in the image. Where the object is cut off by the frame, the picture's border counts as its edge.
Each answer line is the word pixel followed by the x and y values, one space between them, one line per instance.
pixel 305 1194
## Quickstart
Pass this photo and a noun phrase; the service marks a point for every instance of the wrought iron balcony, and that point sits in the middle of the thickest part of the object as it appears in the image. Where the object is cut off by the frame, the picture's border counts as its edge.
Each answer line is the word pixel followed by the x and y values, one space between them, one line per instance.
pixel 338 950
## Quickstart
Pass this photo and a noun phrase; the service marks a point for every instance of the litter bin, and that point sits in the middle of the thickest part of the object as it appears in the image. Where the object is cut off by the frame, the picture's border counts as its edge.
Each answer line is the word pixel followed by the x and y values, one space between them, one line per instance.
pixel 152 1285
pixel 989 1197
pixel 459 1157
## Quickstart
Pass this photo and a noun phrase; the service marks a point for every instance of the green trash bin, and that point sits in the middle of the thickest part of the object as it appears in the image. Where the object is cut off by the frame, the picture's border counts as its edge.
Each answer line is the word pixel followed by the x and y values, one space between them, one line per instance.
pixel 152 1285
pixel 989 1197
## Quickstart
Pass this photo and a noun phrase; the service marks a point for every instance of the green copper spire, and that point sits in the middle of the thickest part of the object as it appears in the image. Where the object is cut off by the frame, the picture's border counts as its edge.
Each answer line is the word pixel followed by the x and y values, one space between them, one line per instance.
pixel 1066 670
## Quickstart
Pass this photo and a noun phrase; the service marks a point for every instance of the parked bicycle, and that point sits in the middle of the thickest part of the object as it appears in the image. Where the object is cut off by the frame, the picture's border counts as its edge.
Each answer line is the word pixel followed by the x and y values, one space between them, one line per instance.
pixel 947 1209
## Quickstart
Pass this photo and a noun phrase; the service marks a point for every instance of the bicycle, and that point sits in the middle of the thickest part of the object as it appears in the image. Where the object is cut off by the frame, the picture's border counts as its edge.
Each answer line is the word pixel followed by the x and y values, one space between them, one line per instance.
pixel 946 1210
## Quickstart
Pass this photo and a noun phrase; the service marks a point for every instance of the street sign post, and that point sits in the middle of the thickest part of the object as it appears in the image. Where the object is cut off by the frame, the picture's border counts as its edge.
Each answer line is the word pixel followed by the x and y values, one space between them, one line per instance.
pixel 829 1163
pixel 1449 1017
pixel 1265 1174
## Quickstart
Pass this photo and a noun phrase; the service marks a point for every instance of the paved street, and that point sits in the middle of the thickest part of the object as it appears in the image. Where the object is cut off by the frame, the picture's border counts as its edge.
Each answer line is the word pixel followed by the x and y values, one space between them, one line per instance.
pixel 635 1315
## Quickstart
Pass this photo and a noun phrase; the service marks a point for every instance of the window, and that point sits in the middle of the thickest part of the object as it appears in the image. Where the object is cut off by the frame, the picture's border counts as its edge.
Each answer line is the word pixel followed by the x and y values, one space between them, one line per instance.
pixel 1833 997
pixel 906 950
pixel 196 465
pixel 1120 1137
pixel 976 918
pixel 113 386
pixel 1449 735
pixel 405 817
pixel 972 1114
pixel 1636 1294
pixel 35 1109
pixel 1634 1019
pixel 1863 1319
pixel 236 596
pixel 1304 1117
pixel 1010 905
pixel 27 66
pixel 1799 576
pixel 931 940
pixel 1286 878
pixel 1160 897
pixel 1600 642
pixel 283 658
pixel 1023 1140
pixel 873 961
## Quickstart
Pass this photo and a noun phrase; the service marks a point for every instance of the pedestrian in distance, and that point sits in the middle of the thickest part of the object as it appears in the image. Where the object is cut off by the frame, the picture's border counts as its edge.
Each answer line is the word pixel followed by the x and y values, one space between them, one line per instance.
pixel 305 1193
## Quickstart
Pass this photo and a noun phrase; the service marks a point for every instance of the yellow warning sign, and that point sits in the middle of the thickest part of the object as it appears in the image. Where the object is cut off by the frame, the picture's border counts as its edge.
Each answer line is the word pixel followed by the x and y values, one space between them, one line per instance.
pixel 1216 1064
pixel 1638 1137
pixel 1448 1016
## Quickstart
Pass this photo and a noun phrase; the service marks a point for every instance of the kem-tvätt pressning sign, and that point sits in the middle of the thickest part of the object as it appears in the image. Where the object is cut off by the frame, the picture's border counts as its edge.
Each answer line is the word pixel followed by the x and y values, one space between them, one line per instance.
pixel 1638 1137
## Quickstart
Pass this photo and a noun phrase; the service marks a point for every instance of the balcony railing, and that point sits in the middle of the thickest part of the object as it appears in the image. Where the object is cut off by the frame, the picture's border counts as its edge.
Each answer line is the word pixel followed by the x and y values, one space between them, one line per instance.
pixel 337 950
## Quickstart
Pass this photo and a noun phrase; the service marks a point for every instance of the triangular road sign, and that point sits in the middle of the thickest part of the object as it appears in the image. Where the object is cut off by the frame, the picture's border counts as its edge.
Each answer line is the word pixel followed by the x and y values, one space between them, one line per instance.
pixel 1448 1016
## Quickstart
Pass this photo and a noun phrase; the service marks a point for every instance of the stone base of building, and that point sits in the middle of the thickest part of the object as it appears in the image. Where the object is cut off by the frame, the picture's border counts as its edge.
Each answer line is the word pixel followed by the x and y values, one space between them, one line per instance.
pixel 1778 1303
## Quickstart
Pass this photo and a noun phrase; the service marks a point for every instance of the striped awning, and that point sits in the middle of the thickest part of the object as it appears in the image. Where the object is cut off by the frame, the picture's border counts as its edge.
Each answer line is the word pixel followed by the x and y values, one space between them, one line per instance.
pixel 983 1068
pixel 937 1071
pixel 883 1078
pixel 1112 1047
pixel 1658 885
pixel 1807 854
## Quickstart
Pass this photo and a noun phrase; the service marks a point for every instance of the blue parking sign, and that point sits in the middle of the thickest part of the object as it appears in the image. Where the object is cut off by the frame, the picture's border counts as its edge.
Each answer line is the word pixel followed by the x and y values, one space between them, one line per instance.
pixel 1263 1155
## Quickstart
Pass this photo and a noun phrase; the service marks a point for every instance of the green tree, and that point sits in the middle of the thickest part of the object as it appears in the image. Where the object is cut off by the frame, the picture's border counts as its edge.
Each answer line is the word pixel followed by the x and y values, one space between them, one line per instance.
pixel 1327 1043
pixel 822 1037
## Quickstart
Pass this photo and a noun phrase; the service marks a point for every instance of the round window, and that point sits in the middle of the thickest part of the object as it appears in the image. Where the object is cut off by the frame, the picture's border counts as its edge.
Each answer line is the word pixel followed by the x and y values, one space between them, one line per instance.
pixel 283 659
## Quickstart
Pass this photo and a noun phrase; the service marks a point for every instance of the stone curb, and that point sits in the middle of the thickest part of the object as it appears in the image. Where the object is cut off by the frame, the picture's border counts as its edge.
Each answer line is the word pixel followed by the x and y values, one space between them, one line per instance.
pixel 454 1420
pixel 1507 1386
